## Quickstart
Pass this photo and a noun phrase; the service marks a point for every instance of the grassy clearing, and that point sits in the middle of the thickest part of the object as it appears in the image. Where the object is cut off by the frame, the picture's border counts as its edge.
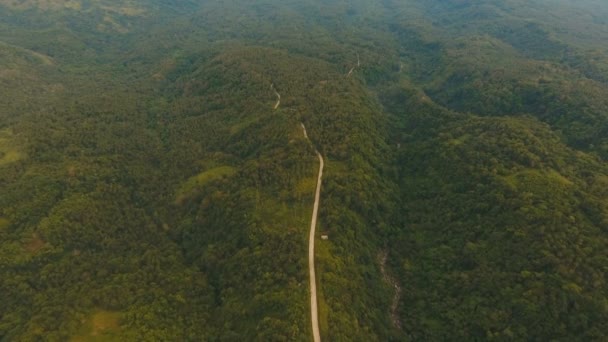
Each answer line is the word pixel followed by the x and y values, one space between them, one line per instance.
pixel 243 124
pixel 203 178
pixel 536 178
pixel 9 153
pixel 306 187
pixel 4 223
pixel 108 25
pixel 101 326
pixel 278 215
pixel 10 156
pixel 459 141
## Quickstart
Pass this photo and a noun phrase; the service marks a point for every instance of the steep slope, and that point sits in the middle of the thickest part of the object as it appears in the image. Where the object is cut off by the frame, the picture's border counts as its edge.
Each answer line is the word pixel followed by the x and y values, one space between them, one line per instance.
pixel 501 149
pixel 503 228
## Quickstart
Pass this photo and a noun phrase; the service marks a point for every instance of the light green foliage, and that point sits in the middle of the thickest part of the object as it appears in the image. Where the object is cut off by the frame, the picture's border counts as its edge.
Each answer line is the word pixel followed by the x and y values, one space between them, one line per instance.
pixel 196 182
pixel 101 326
pixel 529 180
pixel 9 152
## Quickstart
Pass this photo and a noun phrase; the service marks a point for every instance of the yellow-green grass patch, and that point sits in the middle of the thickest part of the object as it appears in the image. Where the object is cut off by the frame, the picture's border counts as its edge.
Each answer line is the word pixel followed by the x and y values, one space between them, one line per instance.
pixel 9 156
pixel 458 141
pixel 243 124
pixel 537 180
pixel 100 326
pixel 9 152
pixel 203 178
pixel 332 166
pixel 110 25
pixel 4 223
pixel 306 187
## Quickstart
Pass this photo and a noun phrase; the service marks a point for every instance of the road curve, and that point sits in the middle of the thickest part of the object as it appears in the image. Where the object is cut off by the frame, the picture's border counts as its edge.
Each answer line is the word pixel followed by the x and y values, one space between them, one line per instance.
pixel 278 96
pixel 350 72
pixel 314 312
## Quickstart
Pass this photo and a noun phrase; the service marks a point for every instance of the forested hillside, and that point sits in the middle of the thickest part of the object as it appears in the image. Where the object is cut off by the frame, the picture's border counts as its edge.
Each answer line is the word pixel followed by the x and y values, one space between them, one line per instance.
pixel 152 186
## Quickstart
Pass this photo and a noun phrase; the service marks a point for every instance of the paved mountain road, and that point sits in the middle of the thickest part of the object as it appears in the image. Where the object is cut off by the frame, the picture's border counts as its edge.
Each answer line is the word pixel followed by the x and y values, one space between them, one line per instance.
pixel 314 314
pixel 278 96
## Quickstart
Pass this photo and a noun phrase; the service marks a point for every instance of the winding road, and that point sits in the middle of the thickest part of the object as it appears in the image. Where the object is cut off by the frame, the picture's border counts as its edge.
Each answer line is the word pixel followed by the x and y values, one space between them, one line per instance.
pixel 350 72
pixel 278 96
pixel 314 314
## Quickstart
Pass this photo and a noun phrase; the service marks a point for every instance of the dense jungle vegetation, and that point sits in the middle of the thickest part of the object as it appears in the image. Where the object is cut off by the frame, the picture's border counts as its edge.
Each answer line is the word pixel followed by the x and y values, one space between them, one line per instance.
pixel 150 191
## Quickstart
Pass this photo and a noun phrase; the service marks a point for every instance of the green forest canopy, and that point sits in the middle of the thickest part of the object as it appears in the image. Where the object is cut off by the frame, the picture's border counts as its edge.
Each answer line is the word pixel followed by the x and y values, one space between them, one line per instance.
pixel 150 191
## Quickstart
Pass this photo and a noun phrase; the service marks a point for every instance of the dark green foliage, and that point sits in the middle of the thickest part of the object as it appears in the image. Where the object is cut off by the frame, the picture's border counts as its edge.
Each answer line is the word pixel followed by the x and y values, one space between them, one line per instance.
pixel 500 169
pixel 502 221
